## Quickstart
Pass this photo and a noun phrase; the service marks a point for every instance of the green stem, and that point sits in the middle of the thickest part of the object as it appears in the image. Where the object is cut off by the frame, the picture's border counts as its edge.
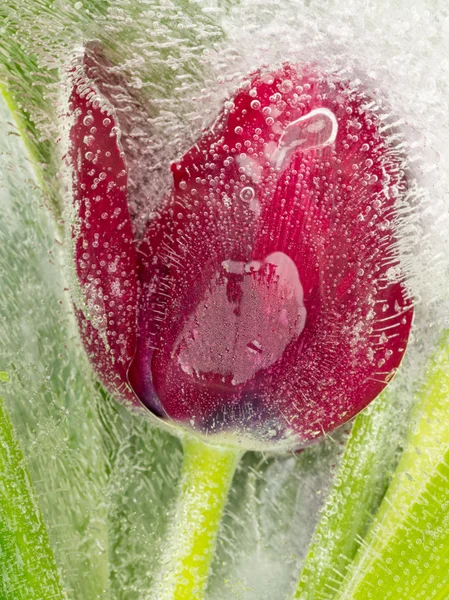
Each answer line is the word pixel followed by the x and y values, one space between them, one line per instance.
pixel 27 566
pixel 206 478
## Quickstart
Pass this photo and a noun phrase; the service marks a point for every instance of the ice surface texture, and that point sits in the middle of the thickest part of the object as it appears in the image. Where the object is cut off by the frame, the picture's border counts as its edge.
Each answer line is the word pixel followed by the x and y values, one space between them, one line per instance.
pixel 264 303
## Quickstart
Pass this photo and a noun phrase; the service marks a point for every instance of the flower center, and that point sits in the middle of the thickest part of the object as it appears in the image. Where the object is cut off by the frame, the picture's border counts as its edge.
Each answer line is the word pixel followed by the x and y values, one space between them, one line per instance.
pixel 244 321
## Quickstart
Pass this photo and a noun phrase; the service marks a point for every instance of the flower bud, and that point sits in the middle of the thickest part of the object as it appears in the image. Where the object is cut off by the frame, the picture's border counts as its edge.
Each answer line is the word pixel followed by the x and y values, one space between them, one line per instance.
pixel 264 305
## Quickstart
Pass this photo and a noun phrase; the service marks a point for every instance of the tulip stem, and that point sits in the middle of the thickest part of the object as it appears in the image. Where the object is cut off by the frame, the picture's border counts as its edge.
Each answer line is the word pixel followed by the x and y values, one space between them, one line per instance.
pixel 206 477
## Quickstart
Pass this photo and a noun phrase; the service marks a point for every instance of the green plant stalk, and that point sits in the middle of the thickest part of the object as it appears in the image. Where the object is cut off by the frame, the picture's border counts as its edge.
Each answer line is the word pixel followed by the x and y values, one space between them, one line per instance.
pixel 406 551
pixel 27 566
pixel 206 477
pixel 357 491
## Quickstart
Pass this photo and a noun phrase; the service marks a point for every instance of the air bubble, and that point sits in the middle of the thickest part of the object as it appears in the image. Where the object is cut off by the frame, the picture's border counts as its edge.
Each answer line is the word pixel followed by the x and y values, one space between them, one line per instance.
pixel 286 86
pixel 88 120
pixel 247 194
pixel 88 140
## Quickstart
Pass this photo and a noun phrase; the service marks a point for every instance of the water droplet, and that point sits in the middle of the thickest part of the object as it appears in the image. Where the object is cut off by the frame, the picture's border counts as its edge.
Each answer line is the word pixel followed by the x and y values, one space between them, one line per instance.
pixel 255 104
pixel 238 130
pixel 383 338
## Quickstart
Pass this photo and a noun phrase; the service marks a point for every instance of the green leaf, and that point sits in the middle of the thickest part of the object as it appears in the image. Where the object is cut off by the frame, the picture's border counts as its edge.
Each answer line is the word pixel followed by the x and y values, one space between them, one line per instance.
pixel 143 465
pixel 269 521
pixel 50 396
pixel 360 483
pixel 27 566
pixel 406 552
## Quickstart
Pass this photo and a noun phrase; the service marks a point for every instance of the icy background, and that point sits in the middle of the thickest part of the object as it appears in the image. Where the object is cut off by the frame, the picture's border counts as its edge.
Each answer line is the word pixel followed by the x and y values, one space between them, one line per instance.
pixel 106 478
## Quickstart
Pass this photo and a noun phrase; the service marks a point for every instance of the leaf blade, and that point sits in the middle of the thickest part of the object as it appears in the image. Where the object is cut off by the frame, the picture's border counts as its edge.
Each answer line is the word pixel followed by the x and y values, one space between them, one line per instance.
pixel 27 565
pixel 415 509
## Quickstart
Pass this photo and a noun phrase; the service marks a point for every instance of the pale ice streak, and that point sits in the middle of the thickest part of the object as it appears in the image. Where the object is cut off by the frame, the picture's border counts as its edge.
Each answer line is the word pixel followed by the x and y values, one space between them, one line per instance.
pixel 252 328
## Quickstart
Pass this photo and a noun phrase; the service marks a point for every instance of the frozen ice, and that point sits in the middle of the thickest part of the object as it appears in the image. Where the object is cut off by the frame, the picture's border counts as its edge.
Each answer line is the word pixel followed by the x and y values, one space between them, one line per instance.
pixel 105 477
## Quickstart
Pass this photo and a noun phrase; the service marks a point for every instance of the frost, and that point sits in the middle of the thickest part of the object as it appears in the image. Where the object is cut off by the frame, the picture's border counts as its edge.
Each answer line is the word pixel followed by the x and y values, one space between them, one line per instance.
pixel 106 479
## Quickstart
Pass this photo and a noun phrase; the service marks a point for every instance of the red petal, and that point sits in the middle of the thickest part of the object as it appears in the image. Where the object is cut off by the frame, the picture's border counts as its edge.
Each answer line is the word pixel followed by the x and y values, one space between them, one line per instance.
pixel 103 242
pixel 271 269
pixel 139 138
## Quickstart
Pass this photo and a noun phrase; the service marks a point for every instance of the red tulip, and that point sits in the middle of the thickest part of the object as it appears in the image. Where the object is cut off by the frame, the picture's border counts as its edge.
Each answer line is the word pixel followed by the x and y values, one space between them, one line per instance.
pixel 265 301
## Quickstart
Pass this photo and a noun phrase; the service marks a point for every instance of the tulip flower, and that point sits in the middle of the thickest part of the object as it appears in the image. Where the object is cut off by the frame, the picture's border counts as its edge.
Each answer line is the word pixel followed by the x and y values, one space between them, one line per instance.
pixel 264 302
pixel 264 305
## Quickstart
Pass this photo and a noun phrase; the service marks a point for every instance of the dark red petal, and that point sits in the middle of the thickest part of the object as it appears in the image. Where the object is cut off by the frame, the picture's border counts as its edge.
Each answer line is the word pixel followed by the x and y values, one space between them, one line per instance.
pixel 271 303
pixel 103 244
